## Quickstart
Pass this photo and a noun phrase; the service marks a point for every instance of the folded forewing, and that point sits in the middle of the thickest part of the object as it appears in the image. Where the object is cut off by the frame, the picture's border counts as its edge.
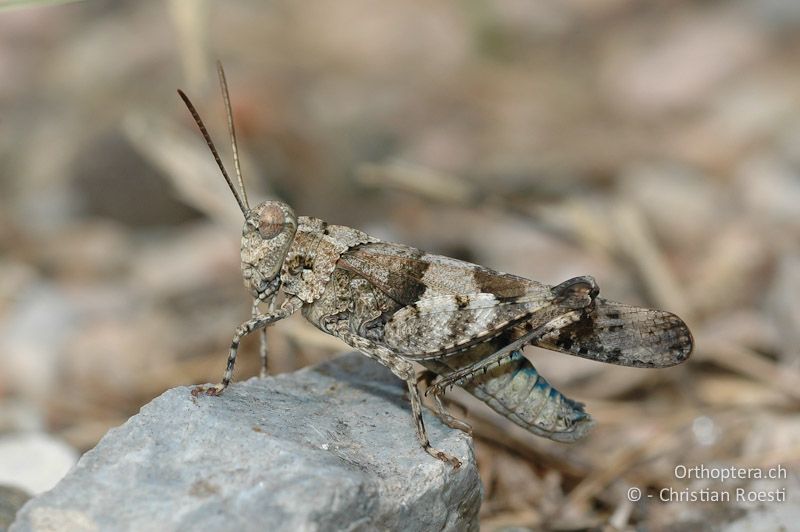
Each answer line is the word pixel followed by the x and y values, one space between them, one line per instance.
pixel 408 275
pixel 443 325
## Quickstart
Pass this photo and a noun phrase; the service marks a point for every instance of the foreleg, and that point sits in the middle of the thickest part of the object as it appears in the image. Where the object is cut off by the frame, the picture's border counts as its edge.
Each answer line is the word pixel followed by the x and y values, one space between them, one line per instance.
pixel 288 307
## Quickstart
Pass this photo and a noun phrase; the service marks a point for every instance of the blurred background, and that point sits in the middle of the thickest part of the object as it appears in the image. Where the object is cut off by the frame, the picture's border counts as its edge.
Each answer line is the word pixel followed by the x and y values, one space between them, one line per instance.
pixel 654 145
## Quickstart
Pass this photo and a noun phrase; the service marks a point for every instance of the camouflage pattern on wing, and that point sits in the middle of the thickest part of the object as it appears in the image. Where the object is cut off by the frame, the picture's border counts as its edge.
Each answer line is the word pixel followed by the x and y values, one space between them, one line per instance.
pixel 438 325
pixel 449 305
pixel 626 335
pixel 408 275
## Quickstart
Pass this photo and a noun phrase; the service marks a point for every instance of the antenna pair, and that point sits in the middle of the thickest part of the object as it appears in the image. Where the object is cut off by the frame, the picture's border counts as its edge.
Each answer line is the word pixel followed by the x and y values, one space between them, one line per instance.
pixel 244 205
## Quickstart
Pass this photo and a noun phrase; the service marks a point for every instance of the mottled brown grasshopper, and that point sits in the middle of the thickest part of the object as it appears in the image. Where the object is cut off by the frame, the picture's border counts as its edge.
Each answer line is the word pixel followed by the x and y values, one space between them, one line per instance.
pixel 465 323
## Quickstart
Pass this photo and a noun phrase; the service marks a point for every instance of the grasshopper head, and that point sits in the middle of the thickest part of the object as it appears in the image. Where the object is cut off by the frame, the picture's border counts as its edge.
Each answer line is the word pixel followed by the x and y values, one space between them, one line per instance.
pixel 267 235
pixel 269 228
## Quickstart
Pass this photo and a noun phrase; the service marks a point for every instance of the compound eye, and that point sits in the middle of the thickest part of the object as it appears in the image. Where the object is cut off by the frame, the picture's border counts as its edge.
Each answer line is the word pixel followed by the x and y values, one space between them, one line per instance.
pixel 270 222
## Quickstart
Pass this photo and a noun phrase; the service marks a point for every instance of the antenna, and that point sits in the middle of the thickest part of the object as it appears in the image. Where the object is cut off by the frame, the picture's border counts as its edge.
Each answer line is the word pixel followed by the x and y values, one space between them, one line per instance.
pixel 223 85
pixel 213 148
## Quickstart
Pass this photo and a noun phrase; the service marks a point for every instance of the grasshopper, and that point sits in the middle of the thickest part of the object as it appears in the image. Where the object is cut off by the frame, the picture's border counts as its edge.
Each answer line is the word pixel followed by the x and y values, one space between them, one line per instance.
pixel 465 323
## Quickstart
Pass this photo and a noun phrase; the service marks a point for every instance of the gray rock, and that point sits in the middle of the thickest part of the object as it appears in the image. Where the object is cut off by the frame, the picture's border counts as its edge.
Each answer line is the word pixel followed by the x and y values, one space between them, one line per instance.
pixel 330 447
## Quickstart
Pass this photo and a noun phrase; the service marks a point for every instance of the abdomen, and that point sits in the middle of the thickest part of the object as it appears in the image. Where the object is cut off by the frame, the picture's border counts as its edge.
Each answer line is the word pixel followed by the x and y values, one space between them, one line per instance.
pixel 518 392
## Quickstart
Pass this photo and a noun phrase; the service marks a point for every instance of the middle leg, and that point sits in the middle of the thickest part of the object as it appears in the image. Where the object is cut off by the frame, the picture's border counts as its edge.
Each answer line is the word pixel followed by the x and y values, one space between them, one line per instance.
pixel 429 377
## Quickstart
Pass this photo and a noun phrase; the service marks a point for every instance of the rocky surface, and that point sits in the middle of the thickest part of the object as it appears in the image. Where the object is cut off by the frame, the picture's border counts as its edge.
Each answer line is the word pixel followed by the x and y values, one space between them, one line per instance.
pixel 330 447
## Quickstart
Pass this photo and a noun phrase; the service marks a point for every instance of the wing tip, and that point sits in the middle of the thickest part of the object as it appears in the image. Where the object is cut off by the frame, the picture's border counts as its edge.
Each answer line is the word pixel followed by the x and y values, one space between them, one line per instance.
pixel 683 347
